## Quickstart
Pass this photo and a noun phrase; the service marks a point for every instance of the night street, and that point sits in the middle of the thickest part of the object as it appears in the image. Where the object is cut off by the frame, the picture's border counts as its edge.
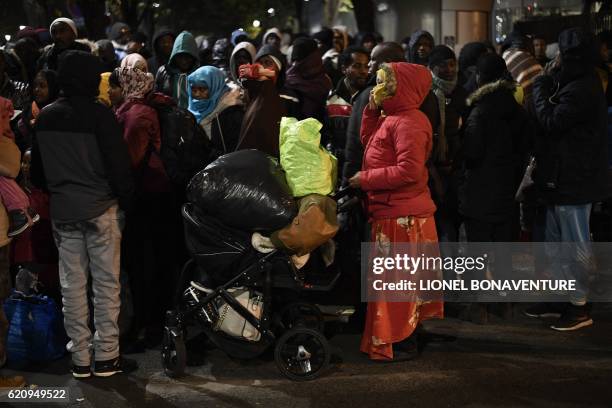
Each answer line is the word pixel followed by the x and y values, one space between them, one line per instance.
pixel 519 364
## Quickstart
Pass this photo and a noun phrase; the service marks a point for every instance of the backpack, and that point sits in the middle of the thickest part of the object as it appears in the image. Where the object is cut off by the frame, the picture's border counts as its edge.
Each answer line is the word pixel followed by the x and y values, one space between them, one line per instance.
pixel 185 147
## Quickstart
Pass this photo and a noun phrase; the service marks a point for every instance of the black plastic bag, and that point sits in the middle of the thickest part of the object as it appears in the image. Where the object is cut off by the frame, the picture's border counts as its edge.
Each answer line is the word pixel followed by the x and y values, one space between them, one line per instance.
pixel 244 189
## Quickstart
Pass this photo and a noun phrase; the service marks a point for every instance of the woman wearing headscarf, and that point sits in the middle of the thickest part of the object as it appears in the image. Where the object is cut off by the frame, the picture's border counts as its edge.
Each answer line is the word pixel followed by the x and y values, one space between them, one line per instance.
pixel 394 176
pixel 149 229
pixel 216 107
pixel 307 78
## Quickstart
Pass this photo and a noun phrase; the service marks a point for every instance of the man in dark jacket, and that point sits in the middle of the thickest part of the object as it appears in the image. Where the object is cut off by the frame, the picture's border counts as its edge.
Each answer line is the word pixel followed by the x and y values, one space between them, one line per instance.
pixel 353 152
pixel 86 166
pixel 171 79
pixel 63 33
pixel 494 141
pixel 443 170
pixel 354 64
pixel 571 155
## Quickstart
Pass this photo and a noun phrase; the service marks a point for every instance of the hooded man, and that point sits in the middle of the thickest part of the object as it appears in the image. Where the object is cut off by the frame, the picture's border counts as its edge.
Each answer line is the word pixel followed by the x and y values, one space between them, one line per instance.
pixel 120 34
pixel 79 145
pixel 243 53
pixel 239 36
pixel 272 37
pixel 163 40
pixel 572 165
pixel 64 34
pixel 171 79
pixel 420 46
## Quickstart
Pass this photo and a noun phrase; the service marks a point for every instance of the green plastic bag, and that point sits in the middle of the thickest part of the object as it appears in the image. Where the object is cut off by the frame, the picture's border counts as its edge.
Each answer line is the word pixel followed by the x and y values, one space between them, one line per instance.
pixel 310 169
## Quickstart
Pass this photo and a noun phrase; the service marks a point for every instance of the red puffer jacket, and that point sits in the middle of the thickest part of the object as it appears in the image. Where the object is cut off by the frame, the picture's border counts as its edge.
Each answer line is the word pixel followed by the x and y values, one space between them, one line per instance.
pixel 396 148
pixel 141 128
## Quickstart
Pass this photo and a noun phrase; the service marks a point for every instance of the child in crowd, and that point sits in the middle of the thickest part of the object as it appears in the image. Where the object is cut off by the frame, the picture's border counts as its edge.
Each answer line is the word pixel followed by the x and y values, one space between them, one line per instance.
pixel 17 203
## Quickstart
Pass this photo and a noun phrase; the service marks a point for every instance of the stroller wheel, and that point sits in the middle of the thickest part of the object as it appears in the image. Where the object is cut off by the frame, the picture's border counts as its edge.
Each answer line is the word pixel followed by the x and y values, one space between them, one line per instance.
pixel 174 352
pixel 300 314
pixel 302 354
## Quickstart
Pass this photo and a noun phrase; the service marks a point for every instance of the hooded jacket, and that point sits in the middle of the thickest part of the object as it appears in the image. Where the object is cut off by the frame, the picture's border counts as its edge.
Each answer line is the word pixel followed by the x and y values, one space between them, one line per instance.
pixel 158 59
pixel 495 139
pixel 80 146
pixel 169 80
pixel 272 30
pixel 246 46
pixel 412 49
pixel 571 152
pixel 397 147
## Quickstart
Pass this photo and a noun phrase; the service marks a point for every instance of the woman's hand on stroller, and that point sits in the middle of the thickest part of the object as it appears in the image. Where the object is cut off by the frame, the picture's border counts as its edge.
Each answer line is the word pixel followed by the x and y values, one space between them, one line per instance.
pixel 355 181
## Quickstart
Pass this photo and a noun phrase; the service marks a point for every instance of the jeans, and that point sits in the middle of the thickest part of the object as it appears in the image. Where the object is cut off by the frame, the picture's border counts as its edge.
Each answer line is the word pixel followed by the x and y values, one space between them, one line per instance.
pixel 91 249
pixel 571 257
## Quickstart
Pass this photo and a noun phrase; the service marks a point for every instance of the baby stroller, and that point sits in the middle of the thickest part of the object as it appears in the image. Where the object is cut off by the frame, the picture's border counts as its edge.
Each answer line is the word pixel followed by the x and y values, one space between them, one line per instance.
pixel 256 301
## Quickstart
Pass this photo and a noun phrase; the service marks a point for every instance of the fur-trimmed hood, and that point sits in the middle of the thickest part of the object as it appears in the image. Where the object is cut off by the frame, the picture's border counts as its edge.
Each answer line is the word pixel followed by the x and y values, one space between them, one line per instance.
pixel 489 88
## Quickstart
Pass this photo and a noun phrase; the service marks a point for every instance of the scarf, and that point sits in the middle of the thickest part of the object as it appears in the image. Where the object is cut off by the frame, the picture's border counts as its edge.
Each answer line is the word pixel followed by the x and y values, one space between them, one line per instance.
pixel 442 88
pixel 135 83
pixel 213 79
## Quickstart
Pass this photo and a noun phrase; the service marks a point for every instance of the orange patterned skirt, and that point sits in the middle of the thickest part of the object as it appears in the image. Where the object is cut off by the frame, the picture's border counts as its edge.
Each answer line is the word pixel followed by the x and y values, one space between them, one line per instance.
pixel 391 322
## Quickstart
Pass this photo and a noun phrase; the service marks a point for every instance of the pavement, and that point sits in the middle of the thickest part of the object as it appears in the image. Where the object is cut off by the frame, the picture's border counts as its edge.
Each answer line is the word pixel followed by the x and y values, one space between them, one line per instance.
pixel 518 362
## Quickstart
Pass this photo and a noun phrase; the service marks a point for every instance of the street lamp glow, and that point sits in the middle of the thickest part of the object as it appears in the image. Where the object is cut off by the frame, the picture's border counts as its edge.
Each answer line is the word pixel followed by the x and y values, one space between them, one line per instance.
pixel 256 23
pixel 156 5
pixel 271 10
pixel 7 37
pixel 22 27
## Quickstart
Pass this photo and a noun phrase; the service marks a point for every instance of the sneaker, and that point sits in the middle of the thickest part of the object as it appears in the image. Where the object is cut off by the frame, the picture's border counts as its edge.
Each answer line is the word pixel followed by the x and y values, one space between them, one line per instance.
pixel 81 371
pixel 574 318
pixel 117 365
pixel 545 310
pixel 12 382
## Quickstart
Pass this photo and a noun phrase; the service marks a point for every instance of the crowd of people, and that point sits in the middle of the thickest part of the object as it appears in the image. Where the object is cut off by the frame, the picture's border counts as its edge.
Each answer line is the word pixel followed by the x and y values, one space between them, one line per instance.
pixel 439 143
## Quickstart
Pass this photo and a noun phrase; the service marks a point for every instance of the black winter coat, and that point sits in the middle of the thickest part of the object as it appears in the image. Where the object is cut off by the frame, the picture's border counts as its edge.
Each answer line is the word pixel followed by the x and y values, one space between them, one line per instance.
pixel 495 141
pixel 572 150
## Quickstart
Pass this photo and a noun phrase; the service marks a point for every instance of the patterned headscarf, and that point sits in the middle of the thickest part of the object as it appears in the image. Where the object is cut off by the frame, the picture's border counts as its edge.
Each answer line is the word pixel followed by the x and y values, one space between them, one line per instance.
pixel 135 61
pixel 135 83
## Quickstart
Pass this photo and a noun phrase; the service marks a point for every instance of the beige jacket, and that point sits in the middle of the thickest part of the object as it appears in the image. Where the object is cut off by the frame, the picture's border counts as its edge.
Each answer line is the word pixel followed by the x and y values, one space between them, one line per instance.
pixel 10 163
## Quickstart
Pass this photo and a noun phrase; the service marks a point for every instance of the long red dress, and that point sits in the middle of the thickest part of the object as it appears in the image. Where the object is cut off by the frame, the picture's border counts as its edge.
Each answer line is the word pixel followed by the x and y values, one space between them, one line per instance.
pixel 394 175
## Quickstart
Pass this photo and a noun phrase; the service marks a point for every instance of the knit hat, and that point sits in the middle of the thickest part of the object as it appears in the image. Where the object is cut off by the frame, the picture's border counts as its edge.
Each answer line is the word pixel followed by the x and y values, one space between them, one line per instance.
pixel 439 54
pixel 303 47
pixel 67 21
pixel 490 68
